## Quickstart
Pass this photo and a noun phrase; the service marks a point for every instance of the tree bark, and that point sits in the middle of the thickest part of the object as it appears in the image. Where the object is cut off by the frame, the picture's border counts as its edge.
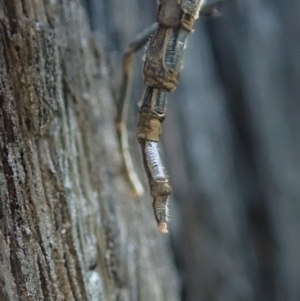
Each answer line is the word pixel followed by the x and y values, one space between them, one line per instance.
pixel 70 229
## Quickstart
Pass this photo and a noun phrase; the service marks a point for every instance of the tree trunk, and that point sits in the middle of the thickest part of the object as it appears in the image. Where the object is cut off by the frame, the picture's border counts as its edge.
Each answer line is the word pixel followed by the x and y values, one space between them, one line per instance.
pixel 70 229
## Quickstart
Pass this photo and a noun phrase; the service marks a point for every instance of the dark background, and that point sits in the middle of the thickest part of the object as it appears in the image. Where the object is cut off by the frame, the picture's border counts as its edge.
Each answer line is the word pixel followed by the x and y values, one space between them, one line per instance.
pixel 231 145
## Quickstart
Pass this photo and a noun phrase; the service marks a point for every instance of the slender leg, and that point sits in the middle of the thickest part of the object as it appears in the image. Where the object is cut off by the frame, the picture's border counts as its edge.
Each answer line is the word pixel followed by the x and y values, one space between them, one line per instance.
pixel 211 9
pixel 122 108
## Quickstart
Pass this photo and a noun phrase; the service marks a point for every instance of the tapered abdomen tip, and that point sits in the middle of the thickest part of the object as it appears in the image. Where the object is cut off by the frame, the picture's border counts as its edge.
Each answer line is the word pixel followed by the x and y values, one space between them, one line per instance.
pixel 162 227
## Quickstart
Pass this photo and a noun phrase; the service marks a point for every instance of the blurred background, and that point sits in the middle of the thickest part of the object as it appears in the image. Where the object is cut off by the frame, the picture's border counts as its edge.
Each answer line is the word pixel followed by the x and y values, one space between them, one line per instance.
pixel 230 142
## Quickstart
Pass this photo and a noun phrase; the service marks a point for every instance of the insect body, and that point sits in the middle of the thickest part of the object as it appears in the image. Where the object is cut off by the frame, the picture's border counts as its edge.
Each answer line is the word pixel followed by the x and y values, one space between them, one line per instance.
pixel 163 62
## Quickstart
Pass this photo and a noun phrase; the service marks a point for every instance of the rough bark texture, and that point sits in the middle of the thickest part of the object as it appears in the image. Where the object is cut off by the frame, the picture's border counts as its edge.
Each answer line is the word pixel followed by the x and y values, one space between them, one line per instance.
pixel 69 227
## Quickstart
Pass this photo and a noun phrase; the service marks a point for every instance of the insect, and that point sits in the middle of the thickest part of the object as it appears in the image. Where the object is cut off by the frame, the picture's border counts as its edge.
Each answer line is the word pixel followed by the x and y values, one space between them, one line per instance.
pixel 162 65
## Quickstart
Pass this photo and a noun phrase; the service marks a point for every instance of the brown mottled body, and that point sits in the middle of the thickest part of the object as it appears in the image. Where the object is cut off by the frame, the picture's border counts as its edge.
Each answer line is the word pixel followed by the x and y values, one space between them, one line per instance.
pixel 163 62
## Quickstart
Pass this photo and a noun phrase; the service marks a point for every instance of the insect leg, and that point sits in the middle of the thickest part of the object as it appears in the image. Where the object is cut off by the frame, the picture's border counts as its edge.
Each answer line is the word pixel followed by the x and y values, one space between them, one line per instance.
pixel 210 9
pixel 122 108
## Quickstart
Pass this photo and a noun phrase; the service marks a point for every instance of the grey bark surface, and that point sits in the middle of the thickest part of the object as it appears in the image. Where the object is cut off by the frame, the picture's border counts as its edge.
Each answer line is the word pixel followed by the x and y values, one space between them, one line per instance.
pixel 69 228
